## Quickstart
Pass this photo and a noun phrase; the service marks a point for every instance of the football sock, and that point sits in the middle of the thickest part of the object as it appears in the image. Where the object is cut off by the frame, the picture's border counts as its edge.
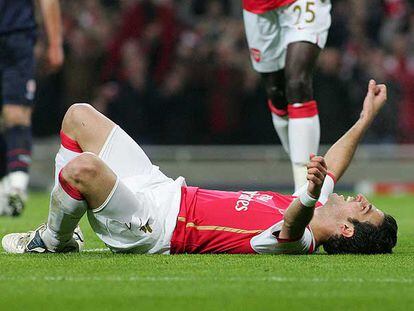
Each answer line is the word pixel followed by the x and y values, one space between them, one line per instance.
pixel 280 123
pixel 18 152
pixel 304 134
pixel 67 205
pixel 69 149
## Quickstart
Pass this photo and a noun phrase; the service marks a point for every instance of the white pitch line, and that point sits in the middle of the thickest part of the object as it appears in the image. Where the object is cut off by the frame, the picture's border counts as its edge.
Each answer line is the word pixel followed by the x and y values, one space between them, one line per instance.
pixel 96 250
pixel 271 279
pixel 89 250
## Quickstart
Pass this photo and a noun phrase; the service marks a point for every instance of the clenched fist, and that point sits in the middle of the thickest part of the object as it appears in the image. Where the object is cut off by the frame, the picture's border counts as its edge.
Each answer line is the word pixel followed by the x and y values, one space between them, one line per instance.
pixel 317 171
pixel 374 101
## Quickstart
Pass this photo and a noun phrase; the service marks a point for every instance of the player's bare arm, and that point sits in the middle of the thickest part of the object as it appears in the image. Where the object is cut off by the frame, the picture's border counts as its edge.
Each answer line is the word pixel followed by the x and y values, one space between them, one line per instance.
pixel 337 160
pixel 53 24
pixel 339 156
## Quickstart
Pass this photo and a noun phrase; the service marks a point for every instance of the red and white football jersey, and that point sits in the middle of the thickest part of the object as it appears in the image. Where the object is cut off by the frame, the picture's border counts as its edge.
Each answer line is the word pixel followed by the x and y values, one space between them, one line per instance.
pixel 262 6
pixel 243 222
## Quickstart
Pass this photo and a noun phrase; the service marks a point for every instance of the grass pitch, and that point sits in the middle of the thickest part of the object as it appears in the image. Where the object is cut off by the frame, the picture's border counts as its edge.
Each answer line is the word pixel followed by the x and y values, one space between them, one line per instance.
pixel 98 279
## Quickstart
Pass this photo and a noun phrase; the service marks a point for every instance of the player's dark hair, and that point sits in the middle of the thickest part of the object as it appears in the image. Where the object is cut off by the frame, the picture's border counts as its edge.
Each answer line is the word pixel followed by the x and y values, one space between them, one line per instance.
pixel 367 238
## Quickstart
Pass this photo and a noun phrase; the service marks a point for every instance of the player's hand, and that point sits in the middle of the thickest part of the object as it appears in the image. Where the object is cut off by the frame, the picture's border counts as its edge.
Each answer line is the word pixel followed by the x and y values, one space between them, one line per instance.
pixel 375 99
pixel 317 170
pixel 55 57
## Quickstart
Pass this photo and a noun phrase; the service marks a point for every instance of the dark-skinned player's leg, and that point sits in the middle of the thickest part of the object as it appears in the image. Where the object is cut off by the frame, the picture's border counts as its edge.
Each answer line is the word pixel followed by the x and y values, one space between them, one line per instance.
pixel 281 39
pixel 18 91
pixel 303 129
pixel 274 83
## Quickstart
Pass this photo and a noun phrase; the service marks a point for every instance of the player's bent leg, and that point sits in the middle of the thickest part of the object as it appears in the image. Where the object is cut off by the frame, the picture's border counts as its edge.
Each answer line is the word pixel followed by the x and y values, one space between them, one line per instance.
pixel 18 138
pixel 275 89
pixel 128 217
pixel 304 128
pixel 90 177
pixel 87 126
pixel 18 91
pixel 128 221
pixel 84 129
pixel 125 220
pixel 84 182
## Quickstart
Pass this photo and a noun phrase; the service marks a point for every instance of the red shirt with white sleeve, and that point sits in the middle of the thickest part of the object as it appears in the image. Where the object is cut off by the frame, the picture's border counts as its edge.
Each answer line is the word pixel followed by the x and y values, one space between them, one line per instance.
pixel 243 222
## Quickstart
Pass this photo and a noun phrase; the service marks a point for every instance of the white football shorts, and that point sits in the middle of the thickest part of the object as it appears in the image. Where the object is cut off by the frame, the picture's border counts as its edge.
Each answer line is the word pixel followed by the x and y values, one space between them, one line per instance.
pixel 140 213
pixel 269 34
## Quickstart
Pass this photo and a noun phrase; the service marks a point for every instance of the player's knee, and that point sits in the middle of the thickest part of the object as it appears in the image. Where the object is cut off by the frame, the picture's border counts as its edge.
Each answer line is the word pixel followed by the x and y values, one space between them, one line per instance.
pixel 15 115
pixel 82 170
pixel 299 89
pixel 75 114
pixel 277 96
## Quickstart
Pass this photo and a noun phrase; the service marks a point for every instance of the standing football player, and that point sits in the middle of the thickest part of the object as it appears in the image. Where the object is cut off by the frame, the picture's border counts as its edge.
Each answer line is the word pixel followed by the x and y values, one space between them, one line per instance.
pixel 285 38
pixel 17 84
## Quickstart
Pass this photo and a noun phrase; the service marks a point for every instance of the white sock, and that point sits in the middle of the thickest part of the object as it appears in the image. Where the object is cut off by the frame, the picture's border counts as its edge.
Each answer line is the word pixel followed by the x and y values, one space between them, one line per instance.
pixel 69 149
pixel 66 203
pixel 66 209
pixel 304 135
pixel 280 123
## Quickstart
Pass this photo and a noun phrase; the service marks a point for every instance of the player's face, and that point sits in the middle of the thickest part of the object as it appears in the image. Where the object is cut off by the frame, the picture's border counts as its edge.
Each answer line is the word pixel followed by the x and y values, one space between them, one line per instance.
pixel 357 207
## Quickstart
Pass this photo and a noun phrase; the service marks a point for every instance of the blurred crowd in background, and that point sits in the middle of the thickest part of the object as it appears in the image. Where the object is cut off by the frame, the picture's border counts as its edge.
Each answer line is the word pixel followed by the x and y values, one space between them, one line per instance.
pixel 179 72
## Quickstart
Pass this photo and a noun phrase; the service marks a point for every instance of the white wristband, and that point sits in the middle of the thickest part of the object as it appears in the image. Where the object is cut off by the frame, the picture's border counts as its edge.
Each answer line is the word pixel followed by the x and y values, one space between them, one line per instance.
pixel 307 200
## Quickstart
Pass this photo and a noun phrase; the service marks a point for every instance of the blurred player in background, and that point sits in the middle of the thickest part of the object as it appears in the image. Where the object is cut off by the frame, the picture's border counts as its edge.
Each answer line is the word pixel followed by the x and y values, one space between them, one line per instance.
pixel 18 87
pixel 285 38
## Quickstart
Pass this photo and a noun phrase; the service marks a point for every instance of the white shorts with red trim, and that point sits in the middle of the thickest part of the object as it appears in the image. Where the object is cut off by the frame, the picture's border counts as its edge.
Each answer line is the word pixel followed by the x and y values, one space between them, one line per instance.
pixel 141 211
pixel 269 34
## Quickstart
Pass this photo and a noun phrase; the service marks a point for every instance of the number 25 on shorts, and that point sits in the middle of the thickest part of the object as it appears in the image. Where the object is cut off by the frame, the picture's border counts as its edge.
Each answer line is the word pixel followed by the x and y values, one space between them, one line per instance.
pixel 308 12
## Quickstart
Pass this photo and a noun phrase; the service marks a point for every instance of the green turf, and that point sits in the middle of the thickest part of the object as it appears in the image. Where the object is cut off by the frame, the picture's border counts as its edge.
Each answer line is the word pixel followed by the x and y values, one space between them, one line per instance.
pixel 104 281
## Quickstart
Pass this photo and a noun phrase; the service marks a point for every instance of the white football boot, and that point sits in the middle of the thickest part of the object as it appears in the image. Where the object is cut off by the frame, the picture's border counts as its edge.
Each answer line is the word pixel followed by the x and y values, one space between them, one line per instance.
pixel 31 242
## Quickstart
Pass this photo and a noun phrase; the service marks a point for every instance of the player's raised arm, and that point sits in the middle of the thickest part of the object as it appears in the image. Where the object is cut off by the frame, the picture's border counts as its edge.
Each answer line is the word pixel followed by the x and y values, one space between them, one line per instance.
pixel 53 24
pixel 336 160
pixel 339 156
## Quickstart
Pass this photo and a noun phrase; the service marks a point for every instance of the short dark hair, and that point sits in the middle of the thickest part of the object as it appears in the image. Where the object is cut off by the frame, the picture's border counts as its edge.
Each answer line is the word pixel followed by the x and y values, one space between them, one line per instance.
pixel 367 238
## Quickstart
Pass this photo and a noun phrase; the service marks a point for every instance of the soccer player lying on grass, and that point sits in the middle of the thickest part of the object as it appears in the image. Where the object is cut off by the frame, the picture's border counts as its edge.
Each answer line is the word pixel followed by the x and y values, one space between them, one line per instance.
pixel 135 208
